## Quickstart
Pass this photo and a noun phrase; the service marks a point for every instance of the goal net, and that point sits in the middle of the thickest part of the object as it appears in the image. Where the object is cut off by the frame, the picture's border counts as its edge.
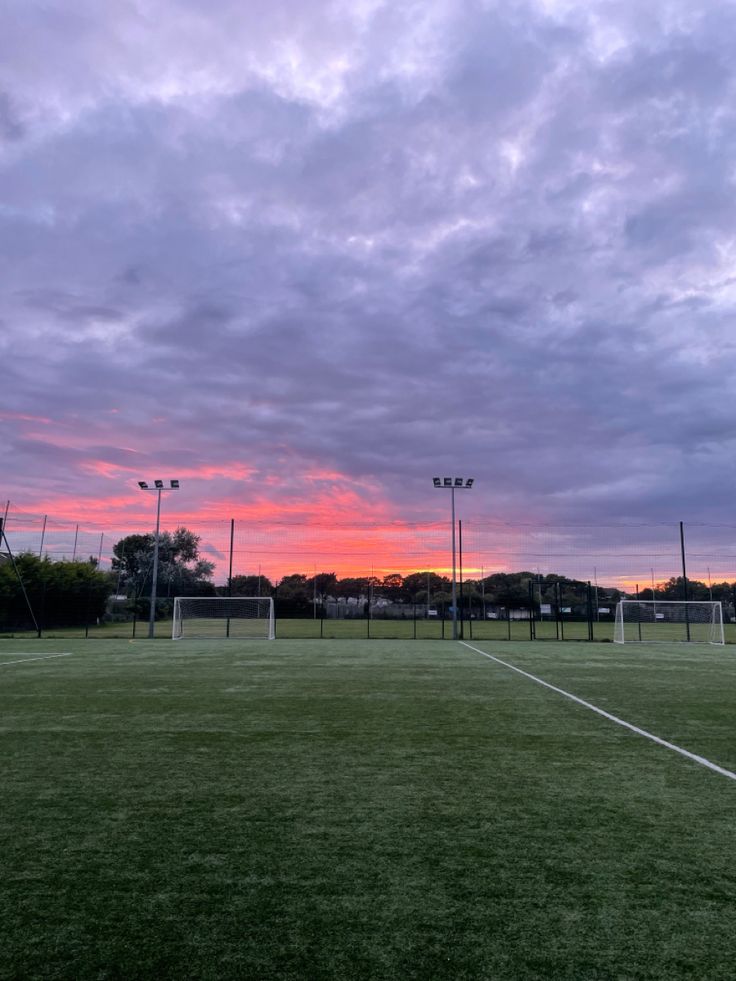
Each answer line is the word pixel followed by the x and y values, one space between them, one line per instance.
pixel 223 616
pixel 653 621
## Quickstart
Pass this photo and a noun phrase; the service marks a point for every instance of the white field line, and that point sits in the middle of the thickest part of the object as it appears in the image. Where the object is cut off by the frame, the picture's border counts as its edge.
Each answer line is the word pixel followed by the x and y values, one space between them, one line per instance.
pixel 45 657
pixel 607 715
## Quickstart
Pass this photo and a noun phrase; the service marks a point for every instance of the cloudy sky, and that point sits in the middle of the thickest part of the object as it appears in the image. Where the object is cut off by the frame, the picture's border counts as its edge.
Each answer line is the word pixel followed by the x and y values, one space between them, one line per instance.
pixel 304 255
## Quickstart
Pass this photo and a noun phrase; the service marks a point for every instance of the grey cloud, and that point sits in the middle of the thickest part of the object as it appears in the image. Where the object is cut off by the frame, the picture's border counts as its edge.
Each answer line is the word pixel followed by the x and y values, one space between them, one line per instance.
pixel 512 259
pixel 11 126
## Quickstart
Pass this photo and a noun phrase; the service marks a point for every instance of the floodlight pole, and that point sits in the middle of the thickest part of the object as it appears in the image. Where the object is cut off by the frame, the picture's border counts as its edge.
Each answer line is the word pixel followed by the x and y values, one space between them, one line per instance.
pixel 154 577
pixel 450 484
pixel 454 570
pixel 158 487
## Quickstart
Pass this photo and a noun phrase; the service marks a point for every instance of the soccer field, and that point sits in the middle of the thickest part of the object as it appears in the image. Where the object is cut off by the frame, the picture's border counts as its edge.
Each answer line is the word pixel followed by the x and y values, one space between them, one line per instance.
pixel 366 809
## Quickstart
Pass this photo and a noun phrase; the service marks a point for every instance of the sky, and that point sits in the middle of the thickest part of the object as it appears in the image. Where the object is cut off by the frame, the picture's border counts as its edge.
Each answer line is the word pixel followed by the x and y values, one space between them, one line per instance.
pixel 304 256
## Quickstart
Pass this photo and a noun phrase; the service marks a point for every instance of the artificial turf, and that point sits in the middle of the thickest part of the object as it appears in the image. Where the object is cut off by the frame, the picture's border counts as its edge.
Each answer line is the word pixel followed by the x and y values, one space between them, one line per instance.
pixel 364 809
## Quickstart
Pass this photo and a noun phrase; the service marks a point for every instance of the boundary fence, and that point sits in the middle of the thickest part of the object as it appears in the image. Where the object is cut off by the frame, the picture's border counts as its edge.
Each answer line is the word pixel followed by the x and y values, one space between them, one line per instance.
pixel 567 579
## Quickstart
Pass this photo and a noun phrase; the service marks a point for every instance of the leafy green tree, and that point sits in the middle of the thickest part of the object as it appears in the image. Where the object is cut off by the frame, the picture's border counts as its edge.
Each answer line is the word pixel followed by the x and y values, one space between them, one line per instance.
pixel 295 586
pixel 352 587
pixel 249 586
pixel 392 587
pixel 674 589
pixel 61 593
pixel 415 585
pixel 181 571
pixel 294 596
pixel 326 585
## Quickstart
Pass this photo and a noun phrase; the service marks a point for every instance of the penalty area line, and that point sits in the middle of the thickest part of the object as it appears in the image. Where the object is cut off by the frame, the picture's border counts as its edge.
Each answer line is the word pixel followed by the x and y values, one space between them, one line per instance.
pixel 45 657
pixel 701 760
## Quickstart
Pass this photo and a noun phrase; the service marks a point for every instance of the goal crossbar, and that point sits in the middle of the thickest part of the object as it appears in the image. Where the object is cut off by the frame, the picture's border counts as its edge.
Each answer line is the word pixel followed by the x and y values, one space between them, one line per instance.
pixel 214 617
pixel 677 621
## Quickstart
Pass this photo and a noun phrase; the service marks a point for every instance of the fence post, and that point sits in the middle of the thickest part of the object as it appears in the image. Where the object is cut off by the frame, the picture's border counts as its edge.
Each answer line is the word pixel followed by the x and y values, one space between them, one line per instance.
pixel 561 628
pixel 532 632
pixel 590 611
pixel 638 611
pixel 86 611
pixel 684 580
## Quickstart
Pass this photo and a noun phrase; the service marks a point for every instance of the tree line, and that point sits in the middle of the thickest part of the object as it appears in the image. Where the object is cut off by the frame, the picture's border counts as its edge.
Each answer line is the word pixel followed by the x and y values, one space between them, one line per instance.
pixel 77 592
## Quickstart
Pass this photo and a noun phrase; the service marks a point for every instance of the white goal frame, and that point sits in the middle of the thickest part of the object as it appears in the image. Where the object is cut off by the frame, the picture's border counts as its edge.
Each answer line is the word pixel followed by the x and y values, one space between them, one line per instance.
pixel 652 622
pixel 217 617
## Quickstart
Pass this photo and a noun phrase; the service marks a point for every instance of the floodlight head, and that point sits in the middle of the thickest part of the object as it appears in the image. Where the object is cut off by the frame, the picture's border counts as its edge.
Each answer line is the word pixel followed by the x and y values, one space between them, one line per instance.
pixel 174 484
pixel 436 481
pixel 458 481
pixel 159 484
pixel 447 481
pixel 469 482
pixel 143 485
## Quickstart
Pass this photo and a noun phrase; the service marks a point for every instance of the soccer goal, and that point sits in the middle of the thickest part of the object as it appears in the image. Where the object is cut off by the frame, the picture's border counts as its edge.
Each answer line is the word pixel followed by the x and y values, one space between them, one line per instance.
pixel 653 621
pixel 211 617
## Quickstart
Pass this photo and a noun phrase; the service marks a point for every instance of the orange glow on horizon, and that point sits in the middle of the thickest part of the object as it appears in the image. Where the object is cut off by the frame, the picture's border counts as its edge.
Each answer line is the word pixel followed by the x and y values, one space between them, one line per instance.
pixel 321 520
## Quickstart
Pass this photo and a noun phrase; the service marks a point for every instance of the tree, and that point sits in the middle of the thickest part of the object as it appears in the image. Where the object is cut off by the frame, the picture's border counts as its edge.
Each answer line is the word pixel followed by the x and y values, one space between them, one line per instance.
pixel 295 587
pixel 295 594
pixel 353 587
pixel 417 584
pixel 392 587
pixel 674 589
pixel 60 593
pixel 181 572
pixel 248 586
pixel 326 585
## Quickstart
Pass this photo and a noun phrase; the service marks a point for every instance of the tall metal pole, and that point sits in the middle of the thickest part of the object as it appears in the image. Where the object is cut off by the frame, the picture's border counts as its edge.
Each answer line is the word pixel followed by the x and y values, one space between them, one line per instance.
pixel 452 483
pixel 454 586
pixel 230 571
pixel 684 580
pixel 230 566
pixel 76 538
pixel 597 603
pixel 43 535
pixel 462 598
pixel 154 582
pixel 654 598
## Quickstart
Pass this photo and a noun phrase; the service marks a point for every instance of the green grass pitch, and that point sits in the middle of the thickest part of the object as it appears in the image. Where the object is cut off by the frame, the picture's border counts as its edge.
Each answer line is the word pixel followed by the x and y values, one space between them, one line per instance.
pixel 364 809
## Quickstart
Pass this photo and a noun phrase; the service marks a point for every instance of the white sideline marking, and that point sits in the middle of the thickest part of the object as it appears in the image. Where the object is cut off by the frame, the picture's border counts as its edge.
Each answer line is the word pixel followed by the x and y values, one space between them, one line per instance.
pixel 607 715
pixel 45 657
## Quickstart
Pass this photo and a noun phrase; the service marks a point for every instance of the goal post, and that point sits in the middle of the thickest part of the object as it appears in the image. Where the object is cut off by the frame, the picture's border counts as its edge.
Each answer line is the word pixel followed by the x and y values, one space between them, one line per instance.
pixel 215 617
pixel 663 621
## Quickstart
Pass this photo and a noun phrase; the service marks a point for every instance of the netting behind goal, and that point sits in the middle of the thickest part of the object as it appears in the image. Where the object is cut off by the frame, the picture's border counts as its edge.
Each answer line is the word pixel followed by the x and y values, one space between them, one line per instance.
pixel 212 617
pixel 662 621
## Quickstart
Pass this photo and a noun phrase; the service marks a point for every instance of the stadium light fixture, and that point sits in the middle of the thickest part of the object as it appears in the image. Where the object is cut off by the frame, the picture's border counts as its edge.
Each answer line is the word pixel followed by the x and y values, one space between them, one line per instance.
pixel 453 484
pixel 157 488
